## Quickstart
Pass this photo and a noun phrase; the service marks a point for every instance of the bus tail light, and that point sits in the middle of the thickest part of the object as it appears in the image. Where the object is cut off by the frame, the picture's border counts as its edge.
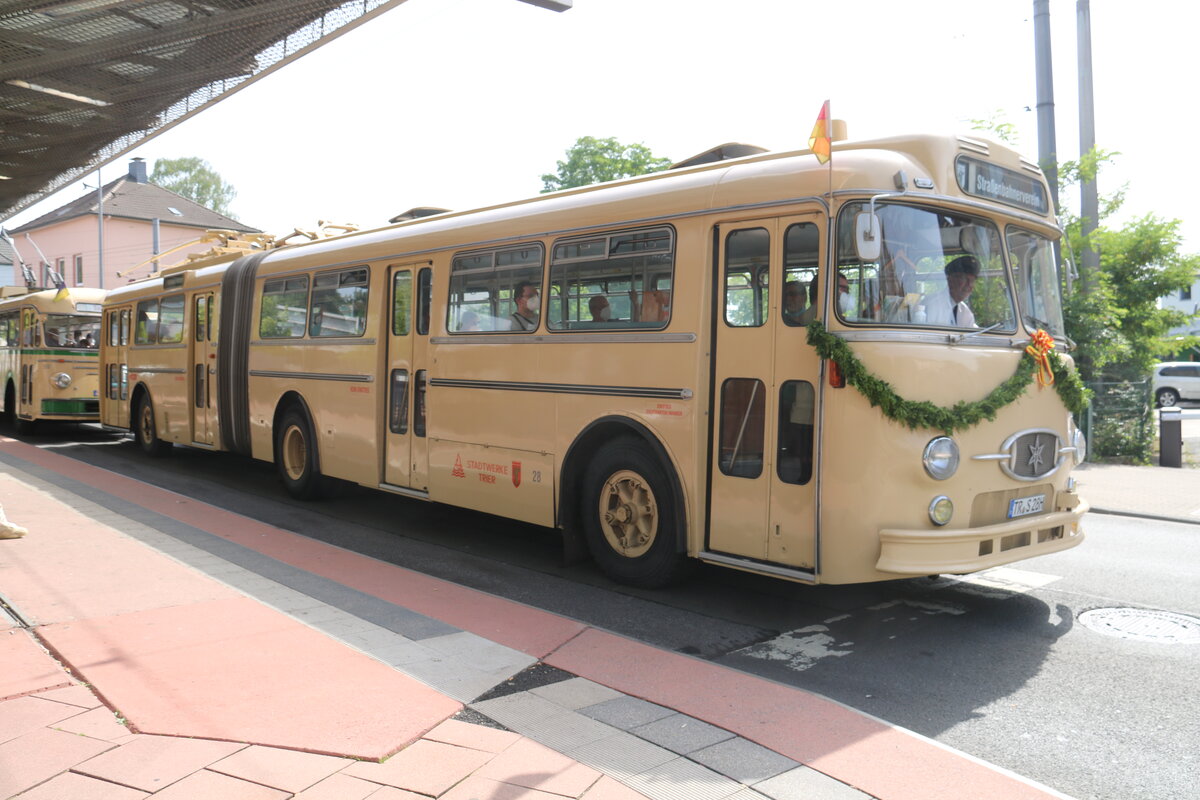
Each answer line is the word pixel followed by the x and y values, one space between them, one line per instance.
pixel 836 379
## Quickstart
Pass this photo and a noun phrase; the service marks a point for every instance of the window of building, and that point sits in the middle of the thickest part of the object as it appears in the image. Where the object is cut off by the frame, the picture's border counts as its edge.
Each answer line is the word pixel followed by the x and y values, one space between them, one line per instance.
pixel 79 270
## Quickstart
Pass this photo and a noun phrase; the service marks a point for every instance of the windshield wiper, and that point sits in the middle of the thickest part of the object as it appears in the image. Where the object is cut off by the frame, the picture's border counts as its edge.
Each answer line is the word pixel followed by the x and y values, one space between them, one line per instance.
pixel 955 338
pixel 1038 323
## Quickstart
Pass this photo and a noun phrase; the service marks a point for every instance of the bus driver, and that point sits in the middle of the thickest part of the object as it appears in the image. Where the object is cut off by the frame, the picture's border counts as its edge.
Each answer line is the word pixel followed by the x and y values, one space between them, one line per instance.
pixel 949 306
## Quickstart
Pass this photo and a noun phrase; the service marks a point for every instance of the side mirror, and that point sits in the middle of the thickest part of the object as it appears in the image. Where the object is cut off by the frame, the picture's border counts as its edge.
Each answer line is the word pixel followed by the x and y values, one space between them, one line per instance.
pixel 866 236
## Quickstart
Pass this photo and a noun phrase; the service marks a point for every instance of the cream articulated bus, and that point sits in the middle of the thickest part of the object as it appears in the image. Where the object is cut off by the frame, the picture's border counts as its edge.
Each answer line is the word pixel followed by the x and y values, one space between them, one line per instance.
pixel 49 355
pixel 630 363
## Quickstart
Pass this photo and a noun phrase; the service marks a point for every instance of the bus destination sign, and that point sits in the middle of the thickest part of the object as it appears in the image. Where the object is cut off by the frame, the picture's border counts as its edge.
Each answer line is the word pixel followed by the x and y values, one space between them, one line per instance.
pixel 1002 185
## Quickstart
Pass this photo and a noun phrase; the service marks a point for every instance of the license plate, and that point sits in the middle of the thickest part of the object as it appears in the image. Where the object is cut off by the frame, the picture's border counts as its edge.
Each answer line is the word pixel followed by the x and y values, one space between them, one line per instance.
pixel 1026 505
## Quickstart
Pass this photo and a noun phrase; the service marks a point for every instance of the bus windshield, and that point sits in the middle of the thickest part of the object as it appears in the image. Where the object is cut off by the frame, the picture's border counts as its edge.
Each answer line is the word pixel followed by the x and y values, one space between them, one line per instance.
pixel 936 268
pixel 72 330
pixel 1038 296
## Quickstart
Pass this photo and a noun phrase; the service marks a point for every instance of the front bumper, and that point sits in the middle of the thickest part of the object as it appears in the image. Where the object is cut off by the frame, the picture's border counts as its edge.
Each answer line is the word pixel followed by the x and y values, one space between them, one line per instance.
pixel 964 550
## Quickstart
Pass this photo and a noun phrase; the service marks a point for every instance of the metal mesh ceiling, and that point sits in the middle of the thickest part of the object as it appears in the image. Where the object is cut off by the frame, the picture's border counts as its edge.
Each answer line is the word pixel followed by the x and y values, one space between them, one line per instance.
pixel 83 81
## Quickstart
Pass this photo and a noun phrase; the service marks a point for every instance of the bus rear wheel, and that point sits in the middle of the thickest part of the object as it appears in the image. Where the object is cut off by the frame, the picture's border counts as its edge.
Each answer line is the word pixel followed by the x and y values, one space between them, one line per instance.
pixel 630 518
pixel 145 431
pixel 296 456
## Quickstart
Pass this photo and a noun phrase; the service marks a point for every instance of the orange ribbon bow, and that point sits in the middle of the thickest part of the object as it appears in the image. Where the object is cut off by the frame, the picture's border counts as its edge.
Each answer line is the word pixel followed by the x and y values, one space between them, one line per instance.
pixel 1040 349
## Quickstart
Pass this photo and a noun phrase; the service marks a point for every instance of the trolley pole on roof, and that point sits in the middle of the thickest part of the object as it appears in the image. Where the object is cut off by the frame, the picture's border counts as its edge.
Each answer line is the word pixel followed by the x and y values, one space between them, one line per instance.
pixel 1089 206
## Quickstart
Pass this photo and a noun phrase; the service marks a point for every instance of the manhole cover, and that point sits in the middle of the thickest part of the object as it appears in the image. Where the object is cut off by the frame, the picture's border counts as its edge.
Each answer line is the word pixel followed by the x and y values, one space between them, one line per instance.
pixel 1143 625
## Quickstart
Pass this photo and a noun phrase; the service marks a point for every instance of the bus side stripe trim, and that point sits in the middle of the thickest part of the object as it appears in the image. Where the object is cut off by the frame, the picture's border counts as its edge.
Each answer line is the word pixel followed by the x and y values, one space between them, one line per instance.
pixel 565 388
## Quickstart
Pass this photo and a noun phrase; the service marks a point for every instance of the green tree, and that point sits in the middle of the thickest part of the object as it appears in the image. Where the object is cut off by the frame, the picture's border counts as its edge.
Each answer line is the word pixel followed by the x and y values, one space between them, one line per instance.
pixel 591 160
pixel 195 179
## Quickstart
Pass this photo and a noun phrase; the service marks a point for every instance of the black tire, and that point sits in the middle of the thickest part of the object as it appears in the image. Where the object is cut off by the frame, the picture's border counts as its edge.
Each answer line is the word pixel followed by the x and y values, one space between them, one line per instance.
pixel 1167 397
pixel 630 516
pixel 296 456
pixel 145 429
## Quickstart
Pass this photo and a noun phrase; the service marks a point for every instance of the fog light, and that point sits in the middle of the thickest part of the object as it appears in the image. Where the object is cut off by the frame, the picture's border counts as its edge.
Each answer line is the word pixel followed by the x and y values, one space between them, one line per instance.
pixel 940 458
pixel 941 510
pixel 62 380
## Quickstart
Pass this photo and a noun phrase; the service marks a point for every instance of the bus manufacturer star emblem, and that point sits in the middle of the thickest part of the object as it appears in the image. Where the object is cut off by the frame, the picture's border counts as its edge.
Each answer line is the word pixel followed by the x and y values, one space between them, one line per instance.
pixel 1035 453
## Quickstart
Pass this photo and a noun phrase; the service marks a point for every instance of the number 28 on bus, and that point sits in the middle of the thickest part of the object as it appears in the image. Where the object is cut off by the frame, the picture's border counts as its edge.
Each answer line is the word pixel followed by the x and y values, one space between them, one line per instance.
pixel 834 373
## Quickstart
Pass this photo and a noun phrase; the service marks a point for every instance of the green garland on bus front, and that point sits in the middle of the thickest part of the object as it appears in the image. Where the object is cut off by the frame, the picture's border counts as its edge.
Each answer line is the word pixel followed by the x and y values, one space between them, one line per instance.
pixel 960 416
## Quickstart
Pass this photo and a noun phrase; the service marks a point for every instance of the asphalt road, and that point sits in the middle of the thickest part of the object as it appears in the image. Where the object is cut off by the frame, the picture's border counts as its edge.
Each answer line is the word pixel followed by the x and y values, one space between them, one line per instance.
pixel 998 665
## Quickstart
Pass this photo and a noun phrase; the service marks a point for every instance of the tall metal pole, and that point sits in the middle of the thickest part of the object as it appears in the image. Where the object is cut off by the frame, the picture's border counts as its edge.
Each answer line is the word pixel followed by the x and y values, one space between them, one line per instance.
pixel 100 225
pixel 1047 149
pixel 1089 206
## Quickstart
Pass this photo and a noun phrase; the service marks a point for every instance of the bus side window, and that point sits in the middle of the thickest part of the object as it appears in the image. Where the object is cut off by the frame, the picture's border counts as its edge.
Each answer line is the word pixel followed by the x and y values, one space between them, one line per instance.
pixel 795 457
pixel 747 254
pixel 424 299
pixel 743 419
pixel 617 280
pixel 401 303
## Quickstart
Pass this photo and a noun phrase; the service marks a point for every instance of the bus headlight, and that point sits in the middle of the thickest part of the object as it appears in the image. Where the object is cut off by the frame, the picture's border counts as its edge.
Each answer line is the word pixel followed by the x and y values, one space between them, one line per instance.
pixel 1079 442
pixel 941 510
pixel 941 458
pixel 62 380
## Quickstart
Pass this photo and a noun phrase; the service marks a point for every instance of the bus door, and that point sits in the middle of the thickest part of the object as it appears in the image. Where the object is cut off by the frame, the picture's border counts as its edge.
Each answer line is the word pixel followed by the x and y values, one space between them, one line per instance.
pixel 763 501
pixel 115 351
pixel 204 369
pixel 31 342
pixel 406 456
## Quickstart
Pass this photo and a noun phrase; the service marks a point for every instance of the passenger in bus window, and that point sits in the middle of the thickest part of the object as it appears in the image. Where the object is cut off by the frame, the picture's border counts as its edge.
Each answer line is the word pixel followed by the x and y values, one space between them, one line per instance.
pixel 469 321
pixel 655 306
pixel 793 302
pixel 599 308
pixel 949 306
pixel 528 303
pixel 845 303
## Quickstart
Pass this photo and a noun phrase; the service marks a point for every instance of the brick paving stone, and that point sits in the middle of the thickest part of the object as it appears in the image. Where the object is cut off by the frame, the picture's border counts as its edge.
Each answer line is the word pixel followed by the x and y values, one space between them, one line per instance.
pixel 27 714
pixel 99 723
pixel 743 760
pixel 530 764
pixel 69 786
pixel 392 793
pixel 476 737
pixel 38 756
pixel 426 767
pixel 339 787
pixel 479 788
pixel 205 785
pixel 804 783
pixel 576 693
pixel 289 770
pixel 626 712
pixel 151 763
pixel 77 695
pixel 682 733
pixel 610 789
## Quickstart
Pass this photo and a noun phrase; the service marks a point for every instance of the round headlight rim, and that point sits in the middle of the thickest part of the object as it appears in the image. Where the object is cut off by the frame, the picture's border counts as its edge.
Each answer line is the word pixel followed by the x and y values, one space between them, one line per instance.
pixel 61 379
pixel 1079 442
pixel 953 458
pixel 933 510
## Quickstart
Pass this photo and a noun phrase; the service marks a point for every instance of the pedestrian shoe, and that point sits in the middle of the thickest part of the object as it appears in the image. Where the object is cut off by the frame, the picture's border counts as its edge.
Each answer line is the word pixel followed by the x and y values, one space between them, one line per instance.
pixel 10 531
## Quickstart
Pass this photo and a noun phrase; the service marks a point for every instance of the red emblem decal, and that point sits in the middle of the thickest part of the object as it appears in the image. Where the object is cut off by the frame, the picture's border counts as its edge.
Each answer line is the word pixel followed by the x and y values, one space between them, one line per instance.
pixel 458 470
pixel 516 473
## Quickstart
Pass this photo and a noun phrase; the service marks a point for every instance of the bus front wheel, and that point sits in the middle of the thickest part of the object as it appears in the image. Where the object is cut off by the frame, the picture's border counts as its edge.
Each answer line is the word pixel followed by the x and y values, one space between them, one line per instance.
pixel 296 456
pixel 630 518
pixel 145 431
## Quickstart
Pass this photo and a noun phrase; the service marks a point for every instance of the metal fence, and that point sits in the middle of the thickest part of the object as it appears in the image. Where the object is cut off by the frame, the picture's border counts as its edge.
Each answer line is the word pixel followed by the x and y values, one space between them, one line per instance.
pixel 1119 422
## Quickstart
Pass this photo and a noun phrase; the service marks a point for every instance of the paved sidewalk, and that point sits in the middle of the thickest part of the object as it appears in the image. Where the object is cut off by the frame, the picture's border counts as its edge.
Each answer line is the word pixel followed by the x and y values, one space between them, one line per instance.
pixel 161 647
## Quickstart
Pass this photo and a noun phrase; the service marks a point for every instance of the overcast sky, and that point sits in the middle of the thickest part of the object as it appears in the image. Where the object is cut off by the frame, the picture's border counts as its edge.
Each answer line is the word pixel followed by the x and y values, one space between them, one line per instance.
pixel 463 103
